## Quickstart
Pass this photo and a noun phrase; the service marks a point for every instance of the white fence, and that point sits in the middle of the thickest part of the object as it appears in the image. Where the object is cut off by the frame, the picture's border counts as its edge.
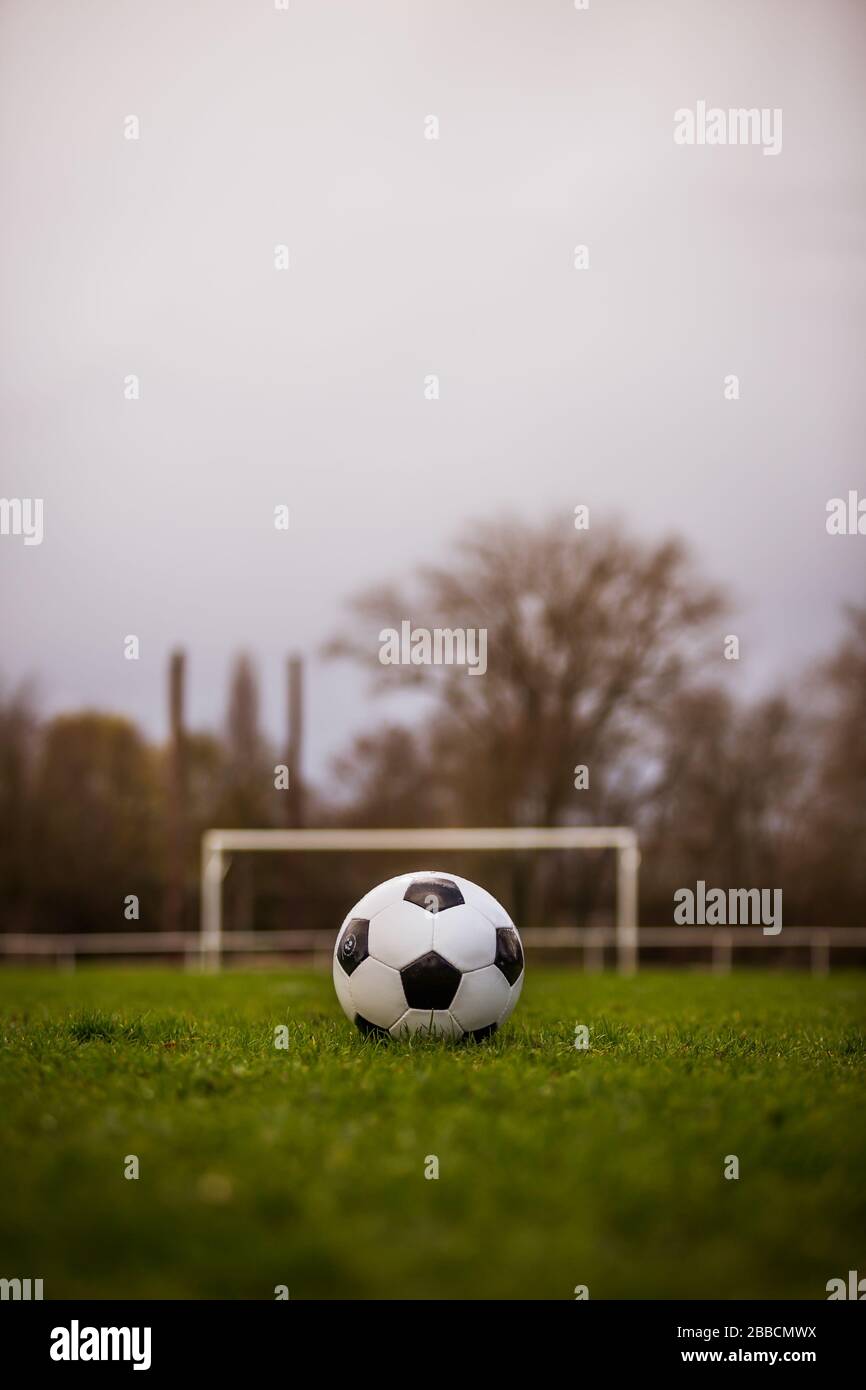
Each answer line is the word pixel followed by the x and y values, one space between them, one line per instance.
pixel 64 949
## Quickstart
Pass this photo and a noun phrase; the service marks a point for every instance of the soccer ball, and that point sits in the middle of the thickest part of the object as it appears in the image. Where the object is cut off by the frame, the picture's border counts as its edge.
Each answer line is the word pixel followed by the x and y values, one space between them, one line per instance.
pixel 428 953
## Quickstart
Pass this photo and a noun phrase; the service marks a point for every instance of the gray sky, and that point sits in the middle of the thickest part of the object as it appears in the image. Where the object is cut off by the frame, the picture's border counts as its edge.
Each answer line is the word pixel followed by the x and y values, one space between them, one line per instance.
pixel 410 257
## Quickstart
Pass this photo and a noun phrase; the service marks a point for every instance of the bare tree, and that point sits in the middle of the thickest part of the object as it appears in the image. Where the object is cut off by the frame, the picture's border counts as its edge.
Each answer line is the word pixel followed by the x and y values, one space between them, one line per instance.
pixel 18 745
pixel 589 636
pixel 837 812
pixel 725 803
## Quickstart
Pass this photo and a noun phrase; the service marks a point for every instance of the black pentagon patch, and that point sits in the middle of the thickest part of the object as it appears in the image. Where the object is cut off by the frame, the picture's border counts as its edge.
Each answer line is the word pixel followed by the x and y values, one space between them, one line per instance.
pixel 370 1030
pixel 479 1034
pixel 352 946
pixel 434 894
pixel 509 953
pixel 430 982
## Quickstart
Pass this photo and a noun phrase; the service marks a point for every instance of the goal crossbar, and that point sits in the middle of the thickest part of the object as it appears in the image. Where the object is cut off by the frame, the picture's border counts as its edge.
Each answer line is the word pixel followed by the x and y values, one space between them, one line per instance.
pixel 216 844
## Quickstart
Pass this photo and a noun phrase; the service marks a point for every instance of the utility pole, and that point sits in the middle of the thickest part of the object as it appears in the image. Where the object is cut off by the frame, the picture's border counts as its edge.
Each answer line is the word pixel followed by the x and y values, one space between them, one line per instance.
pixel 295 807
pixel 176 796
pixel 294 802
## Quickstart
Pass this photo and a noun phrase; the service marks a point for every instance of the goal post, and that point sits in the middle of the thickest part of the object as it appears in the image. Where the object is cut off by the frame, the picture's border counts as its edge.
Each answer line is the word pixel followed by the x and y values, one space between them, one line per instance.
pixel 217 844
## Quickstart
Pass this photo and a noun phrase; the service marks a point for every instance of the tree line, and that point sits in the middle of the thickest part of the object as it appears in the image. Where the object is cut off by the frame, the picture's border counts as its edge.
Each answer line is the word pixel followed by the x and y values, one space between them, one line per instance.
pixel 607 699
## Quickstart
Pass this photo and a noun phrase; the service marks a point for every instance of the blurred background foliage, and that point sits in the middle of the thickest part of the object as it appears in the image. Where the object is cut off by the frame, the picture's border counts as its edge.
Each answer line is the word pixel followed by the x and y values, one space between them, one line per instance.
pixel 603 650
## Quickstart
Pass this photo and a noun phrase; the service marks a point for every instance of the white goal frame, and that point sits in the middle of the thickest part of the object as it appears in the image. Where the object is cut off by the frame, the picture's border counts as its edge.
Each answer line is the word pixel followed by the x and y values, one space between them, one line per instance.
pixel 216 844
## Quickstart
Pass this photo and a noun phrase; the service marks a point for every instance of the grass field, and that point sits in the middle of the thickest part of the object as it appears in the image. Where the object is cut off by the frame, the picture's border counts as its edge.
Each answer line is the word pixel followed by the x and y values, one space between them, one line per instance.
pixel 557 1167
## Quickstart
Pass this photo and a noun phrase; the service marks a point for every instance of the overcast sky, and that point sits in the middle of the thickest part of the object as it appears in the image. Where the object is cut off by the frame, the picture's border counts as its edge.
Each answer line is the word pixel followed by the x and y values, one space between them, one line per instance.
pixel 407 257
